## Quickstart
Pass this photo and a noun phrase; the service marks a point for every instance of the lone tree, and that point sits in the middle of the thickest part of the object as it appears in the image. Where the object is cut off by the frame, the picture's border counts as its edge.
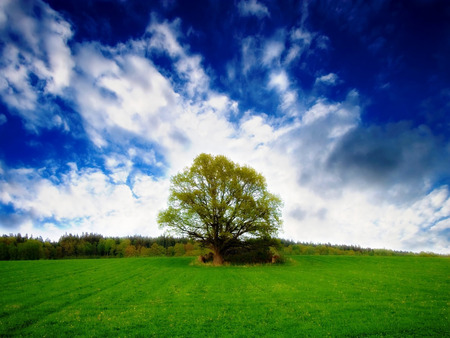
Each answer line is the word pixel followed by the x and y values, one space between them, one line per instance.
pixel 217 201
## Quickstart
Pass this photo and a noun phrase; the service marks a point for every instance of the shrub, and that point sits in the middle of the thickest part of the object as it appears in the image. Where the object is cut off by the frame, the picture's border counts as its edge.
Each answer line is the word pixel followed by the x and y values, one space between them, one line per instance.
pixel 255 251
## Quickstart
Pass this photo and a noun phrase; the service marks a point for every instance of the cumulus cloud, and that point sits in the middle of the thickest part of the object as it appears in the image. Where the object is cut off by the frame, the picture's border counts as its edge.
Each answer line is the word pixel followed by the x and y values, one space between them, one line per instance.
pixel 253 7
pixel 125 92
pixel 367 199
pixel 405 227
pixel 83 200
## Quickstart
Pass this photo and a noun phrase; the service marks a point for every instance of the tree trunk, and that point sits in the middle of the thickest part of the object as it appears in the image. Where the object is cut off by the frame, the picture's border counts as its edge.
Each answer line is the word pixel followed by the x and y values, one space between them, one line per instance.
pixel 217 259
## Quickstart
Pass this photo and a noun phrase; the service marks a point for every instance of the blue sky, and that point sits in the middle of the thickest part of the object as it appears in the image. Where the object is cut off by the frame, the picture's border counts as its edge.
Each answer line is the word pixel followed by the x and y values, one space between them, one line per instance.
pixel 342 105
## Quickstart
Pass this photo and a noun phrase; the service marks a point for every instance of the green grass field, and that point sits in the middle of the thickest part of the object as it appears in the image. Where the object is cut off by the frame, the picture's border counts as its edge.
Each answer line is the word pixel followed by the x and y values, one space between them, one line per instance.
pixel 309 296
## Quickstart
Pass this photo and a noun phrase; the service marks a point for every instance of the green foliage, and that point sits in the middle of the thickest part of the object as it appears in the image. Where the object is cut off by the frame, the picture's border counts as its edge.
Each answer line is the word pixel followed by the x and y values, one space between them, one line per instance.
pixel 131 251
pixel 124 243
pixel 292 248
pixel 179 249
pixel 16 247
pixel 216 201
pixel 311 296
pixel 13 247
pixel 30 249
pixel 157 250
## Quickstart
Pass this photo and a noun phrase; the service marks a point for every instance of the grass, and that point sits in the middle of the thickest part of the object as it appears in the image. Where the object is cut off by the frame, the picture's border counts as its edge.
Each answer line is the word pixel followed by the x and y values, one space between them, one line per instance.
pixel 310 296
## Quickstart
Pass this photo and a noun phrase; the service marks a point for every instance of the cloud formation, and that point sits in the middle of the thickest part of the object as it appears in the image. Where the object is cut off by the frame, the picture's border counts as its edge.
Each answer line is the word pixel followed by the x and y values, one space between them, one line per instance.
pixel 253 7
pixel 149 104
pixel 399 160
pixel 36 61
pixel 329 79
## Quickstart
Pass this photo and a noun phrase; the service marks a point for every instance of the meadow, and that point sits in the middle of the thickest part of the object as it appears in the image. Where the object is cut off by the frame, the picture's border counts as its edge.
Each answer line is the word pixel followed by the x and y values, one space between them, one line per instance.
pixel 169 296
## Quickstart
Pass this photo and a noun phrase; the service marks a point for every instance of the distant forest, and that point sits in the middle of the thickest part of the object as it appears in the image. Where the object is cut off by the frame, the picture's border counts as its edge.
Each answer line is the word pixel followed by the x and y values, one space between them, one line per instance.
pixel 18 247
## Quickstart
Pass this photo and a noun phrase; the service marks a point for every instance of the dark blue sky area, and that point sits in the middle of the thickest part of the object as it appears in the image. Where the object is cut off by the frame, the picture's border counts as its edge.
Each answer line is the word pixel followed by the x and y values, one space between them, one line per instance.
pixel 394 52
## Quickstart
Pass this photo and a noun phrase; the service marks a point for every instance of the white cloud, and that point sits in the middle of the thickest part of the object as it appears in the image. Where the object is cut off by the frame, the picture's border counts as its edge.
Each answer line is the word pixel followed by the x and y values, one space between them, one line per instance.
pixel 257 52
pixel 289 101
pixel 14 87
pixel 31 54
pixel 253 7
pixel 278 80
pixel 329 79
pixel 93 63
pixel 404 226
pixel 294 53
pixel 189 67
pixel 320 110
pixel 255 127
pixel 60 59
pixel 301 41
pixel 272 52
pixel 301 35
pixel 164 37
pixel 316 212
pixel 84 201
pixel 347 112
pixel 250 58
pixel 128 92
pixel 288 96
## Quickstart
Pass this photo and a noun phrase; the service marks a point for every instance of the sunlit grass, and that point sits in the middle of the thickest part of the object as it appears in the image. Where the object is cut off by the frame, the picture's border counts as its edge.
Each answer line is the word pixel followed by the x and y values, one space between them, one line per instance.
pixel 310 296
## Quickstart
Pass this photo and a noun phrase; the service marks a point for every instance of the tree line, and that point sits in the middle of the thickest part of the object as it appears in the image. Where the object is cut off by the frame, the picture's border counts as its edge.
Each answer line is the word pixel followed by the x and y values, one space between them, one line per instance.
pixel 90 245
pixel 301 248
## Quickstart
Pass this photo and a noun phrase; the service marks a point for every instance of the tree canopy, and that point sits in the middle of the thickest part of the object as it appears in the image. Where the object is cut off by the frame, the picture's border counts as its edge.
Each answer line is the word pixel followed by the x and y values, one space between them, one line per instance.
pixel 217 201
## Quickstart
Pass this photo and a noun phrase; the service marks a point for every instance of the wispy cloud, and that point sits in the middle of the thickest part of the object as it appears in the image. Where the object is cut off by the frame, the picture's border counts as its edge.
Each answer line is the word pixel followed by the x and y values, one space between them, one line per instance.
pixel 253 7
pixel 36 61
pixel 279 80
pixel 272 52
pixel 329 79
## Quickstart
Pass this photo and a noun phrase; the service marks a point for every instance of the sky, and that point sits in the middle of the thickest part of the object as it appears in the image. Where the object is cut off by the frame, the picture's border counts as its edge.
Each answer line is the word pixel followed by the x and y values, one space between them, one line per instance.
pixel 344 107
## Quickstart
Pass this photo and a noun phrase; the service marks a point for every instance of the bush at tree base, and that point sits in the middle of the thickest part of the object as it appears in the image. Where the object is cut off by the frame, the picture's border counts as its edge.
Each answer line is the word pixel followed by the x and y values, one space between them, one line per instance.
pixel 255 251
